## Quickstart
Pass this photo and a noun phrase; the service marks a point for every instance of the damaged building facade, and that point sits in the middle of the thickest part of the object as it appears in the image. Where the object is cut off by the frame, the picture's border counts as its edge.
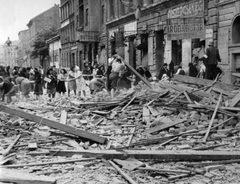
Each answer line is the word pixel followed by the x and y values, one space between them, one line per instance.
pixel 150 32
pixel 79 32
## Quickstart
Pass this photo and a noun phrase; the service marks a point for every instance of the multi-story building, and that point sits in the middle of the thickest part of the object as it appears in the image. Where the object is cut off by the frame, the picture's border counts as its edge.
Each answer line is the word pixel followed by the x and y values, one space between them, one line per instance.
pixel 23 58
pixel 79 31
pixel 10 53
pixel 46 20
pixel 54 47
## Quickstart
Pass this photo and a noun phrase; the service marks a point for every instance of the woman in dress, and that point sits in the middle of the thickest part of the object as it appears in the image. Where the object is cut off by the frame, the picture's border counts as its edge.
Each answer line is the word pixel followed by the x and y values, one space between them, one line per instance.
pixel 24 86
pixel 72 86
pixel 62 77
pixel 81 84
pixel 38 89
pixel 52 84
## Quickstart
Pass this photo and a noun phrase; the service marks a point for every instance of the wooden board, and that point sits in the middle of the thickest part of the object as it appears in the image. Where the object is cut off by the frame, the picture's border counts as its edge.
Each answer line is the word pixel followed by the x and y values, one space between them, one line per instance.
pixel 53 124
pixel 213 117
pixel 14 176
pixel 160 155
pixel 182 88
pixel 235 100
pixel 162 127
pixel 204 82
pixel 63 118
pixel 137 74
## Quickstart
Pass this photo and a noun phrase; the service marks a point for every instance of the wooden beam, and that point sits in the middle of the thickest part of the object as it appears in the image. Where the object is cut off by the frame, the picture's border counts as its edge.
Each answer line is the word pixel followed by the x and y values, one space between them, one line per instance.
pixel 11 146
pixel 131 136
pixel 160 155
pixel 204 82
pixel 18 177
pixel 49 163
pixel 53 124
pixel 162 127
pixel 188 98
pixel 124 175
pixel 235 100
pixel 137 74
pixel 213 117
pixel 128 104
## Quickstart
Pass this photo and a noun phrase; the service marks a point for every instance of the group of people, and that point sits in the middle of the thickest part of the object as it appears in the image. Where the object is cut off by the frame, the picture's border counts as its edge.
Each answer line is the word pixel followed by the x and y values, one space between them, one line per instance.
pixel 205 67
pixel 27 80
pixel 34 79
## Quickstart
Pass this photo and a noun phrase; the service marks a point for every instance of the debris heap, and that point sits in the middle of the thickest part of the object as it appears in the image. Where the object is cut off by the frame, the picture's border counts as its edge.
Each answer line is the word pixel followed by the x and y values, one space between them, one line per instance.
pixel 185 131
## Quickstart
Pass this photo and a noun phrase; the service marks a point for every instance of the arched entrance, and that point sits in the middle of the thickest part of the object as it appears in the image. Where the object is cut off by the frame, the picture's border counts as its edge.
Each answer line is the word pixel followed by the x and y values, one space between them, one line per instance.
pixel 234 48
pixel 236 30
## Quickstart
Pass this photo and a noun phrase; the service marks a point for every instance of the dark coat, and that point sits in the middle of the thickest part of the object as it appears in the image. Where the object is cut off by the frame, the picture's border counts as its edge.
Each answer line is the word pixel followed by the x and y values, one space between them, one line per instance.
pixel 213 56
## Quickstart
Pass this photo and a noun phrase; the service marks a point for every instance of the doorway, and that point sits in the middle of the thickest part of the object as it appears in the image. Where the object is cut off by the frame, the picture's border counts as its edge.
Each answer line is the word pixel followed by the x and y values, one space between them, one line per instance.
pixel 177 52
pixel 132 52
pixel 159 51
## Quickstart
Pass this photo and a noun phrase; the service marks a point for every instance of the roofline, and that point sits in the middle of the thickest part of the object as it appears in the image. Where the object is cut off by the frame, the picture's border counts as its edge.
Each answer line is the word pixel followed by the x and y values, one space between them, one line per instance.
pixel 30 22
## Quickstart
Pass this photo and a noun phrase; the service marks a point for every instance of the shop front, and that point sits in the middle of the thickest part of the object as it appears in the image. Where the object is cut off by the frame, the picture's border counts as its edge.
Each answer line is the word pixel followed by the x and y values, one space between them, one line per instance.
pixel 185 30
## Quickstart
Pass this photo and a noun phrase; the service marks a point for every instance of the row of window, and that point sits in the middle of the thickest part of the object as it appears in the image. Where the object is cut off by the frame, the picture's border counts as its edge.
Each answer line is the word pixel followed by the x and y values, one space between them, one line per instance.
pixel 67 9
pixel 68 33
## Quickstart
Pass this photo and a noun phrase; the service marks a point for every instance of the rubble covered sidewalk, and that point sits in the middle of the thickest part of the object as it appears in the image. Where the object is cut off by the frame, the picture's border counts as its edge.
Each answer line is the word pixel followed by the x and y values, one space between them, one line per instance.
pixel 186 131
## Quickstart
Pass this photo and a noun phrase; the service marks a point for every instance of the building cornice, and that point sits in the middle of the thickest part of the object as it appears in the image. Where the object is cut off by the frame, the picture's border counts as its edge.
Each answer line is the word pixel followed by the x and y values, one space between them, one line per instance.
pixel 110 23
pixel 226 2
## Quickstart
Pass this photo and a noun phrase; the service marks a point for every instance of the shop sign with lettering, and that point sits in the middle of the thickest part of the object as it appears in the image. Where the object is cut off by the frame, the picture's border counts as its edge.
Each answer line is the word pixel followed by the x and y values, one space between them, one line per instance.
pixel 88 36
pixel 187 10
pixel 189 28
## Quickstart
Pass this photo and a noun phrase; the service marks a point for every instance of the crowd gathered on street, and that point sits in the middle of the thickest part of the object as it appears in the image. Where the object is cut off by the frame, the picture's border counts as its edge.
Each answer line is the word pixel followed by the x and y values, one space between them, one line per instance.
pixel 94 77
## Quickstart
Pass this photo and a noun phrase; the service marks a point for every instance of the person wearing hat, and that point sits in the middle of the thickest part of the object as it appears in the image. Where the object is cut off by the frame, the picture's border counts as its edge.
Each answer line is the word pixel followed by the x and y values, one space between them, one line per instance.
pixel 211 62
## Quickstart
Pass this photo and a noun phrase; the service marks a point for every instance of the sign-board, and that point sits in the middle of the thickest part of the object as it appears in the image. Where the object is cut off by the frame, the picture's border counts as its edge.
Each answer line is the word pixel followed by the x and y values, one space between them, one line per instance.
pixel 88 36
pixel 187 10
pixel 188 28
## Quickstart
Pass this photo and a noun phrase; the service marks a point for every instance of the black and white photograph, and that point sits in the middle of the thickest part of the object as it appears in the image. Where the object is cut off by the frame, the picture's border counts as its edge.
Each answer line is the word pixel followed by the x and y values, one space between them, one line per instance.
pixel 119 91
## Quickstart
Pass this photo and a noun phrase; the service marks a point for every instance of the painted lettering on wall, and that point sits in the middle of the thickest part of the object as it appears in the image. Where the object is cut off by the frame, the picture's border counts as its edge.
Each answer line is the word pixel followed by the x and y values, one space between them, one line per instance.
pixel 192 9
pixel 185 28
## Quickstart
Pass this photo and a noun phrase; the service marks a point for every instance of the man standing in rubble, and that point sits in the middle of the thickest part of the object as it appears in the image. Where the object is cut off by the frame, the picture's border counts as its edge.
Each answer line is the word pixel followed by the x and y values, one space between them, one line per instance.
pixel 211 62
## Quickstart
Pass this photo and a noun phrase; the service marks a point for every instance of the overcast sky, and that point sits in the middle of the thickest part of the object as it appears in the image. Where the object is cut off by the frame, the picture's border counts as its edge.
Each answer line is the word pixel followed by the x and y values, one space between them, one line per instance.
pixel 15 14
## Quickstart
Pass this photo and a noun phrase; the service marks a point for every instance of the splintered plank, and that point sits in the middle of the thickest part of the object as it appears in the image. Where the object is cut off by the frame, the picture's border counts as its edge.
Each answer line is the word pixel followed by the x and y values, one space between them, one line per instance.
pixel 160 155
pixel 213 117
pixel 53 124
pixel 162 127
pixel 18 177
pixel 7 151
pixel 235 100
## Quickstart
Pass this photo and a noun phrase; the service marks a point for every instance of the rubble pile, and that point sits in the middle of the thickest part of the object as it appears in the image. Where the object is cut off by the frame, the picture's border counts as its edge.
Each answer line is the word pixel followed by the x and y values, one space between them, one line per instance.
pixel 186 131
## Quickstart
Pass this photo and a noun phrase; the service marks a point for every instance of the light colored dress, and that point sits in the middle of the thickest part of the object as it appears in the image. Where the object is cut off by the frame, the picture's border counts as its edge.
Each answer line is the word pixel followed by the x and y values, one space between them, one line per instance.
pixel 72 84
pixel 81 83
